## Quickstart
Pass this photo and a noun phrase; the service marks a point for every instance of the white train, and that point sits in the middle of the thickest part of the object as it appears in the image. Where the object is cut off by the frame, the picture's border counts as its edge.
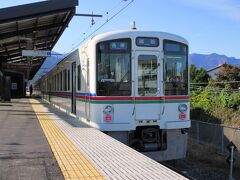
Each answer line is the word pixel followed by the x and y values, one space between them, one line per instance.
pixel 132 85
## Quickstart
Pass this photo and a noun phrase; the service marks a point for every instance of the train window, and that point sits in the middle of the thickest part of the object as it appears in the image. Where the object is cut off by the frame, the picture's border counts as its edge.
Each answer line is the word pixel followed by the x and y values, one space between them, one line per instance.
pixel 147 75
pixel 79 77
pixel 59 85
pixel 65 80
pixel 61 81
pixel 57 82
pixel 68 79
pixel 175 68
pixel 52 84
pixel 114 68
pixel 147 41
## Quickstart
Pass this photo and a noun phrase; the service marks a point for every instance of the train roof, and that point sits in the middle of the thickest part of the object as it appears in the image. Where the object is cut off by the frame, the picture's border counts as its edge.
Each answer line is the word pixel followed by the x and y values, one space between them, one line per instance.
pixel 114 34
pixel 125 33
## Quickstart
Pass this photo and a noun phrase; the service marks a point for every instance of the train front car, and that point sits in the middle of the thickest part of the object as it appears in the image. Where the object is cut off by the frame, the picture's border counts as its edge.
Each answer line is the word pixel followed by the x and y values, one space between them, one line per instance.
pixel 140 95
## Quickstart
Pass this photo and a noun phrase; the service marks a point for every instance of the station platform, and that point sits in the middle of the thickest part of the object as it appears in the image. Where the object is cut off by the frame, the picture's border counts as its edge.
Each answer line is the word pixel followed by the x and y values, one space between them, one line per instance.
pixel 83 152
pixel 24 151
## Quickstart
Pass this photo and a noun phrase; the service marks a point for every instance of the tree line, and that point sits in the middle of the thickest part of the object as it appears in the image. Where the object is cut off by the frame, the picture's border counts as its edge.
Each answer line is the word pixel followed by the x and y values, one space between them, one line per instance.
pixel 216 100
pixel 228 75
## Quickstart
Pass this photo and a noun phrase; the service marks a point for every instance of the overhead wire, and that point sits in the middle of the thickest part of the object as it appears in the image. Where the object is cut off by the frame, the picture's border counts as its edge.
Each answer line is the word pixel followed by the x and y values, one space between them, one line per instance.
pixel 106 21
pixel 92 25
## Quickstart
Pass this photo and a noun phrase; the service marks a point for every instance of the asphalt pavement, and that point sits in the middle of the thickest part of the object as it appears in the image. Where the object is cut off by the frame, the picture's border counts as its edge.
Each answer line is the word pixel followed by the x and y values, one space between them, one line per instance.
pixel 24 151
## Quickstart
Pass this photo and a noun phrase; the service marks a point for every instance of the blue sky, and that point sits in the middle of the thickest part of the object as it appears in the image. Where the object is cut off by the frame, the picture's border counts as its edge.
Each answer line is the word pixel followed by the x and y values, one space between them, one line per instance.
pixel 210 26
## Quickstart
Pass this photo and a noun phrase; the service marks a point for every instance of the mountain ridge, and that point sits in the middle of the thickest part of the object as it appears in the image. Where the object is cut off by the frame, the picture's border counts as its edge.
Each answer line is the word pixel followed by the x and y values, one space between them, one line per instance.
pixel 208 61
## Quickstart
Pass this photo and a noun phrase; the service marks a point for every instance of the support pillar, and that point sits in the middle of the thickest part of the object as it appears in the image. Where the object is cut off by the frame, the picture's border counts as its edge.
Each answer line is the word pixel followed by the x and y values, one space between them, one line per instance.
pixel 1 86
pixel 6 89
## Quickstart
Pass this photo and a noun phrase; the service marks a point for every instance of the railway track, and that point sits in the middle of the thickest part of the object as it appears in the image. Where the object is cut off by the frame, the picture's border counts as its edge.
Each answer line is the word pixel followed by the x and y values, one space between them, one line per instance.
pixel 172 167
pixel 196 170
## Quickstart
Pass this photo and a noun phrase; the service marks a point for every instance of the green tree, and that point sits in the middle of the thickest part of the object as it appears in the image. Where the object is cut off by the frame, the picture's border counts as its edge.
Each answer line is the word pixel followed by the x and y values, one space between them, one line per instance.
pixel 229 73
pixel 193 72
pixel 198 75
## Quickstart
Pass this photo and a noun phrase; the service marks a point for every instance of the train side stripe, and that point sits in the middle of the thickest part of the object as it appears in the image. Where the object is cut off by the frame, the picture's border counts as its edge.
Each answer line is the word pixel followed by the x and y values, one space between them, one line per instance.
pixel 131 101
pixel 122 98
pixel 137 102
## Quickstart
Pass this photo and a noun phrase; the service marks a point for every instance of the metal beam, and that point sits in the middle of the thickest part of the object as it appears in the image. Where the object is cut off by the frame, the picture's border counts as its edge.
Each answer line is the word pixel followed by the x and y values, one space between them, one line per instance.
pixel 35 9
pixel 35 31
pixel 89 15
pixel 11 50
pixel 29 30
pixel 49 31
pixel 23 59
pixel 40 38
pixel 7 51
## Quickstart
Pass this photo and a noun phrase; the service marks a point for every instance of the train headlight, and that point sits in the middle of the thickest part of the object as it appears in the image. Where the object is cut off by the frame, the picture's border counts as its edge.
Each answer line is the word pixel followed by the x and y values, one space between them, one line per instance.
pixel 108 113
pixel 182 108
pixel 108 110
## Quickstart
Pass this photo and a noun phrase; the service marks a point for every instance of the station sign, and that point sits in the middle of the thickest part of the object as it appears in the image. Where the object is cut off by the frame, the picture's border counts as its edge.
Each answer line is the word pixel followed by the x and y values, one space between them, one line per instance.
pixel 36 53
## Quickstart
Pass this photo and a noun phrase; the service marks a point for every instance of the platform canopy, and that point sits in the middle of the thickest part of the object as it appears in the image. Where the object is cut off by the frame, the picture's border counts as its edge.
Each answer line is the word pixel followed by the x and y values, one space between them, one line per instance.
pixel 36 26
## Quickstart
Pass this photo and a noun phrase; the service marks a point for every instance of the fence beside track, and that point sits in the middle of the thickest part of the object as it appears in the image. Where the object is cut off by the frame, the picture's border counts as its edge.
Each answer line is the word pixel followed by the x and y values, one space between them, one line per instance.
pixel 217 135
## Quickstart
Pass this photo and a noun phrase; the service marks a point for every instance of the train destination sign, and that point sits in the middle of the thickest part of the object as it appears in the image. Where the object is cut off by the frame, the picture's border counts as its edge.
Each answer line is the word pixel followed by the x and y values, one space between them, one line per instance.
pixel 36 53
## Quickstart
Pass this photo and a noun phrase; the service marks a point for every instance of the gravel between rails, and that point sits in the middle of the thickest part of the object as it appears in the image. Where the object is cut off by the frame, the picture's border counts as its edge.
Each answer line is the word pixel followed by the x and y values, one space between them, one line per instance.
pixel 204 162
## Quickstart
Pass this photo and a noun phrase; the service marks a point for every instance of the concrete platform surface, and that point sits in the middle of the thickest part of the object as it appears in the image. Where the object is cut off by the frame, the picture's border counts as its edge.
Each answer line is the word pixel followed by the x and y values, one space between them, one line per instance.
pixel 39 141
pixel 24 151
pixel 71 140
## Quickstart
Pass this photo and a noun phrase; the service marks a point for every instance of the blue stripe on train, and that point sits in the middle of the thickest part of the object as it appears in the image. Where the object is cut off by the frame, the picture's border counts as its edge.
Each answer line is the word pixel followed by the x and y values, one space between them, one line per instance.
pixel 77 94
pixel 86 94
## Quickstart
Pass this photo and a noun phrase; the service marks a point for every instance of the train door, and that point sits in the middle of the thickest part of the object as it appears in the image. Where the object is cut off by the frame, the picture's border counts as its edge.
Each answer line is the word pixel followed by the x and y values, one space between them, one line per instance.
pixel 148 86
pixel 74 88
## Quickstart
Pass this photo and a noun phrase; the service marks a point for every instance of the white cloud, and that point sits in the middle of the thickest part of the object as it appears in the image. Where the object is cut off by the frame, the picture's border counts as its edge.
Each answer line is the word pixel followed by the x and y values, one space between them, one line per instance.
pixel 225 8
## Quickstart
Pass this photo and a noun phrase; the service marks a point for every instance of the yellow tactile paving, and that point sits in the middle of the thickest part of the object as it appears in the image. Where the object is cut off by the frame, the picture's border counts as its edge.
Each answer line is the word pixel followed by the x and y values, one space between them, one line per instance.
pixel 71 161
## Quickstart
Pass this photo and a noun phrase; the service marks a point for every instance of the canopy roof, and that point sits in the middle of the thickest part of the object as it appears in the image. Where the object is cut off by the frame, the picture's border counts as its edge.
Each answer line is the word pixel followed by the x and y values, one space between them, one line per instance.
pixel 36 26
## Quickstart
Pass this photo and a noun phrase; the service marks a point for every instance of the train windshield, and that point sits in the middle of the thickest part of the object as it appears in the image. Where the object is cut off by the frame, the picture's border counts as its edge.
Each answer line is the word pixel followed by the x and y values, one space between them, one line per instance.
pixel 147 75
pixel 114 68
pixel 175 68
